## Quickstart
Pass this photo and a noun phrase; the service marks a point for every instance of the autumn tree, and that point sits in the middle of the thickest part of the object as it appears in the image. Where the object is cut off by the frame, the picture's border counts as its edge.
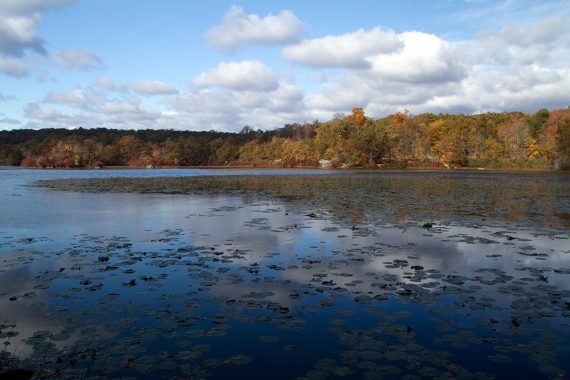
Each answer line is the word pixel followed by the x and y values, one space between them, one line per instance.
pixel 330 138
pixel 357 117
pixel 498 139
pixel 227 153
pixel 563 144
pixel 515 137
pixel 401 135
pixel 537 122
pixel 556 137
pixel 549 135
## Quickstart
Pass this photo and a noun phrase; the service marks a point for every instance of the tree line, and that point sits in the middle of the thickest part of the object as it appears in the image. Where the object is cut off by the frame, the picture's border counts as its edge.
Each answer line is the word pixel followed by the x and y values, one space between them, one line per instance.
pixel 499 140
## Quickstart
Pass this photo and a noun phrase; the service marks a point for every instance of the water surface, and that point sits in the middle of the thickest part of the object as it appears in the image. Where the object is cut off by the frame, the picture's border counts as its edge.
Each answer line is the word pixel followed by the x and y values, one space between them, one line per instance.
pixel 285 274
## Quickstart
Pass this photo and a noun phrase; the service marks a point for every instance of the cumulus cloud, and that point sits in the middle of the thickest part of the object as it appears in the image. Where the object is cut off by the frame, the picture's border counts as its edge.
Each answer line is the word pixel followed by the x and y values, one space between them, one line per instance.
pixel 378 69
pixel 229 110
pixel 513 68
pixel 515 89
pixel 81 59
pixel 384 71
pixel 103 104
pixel 424 58
pixel 116 106
pixel 378 97
pixel 409 56
pixel 17 34
pixel 108 84
pixel 143 87
pixel 545 42
pixel 91 109
pixel 46 114
pixel 19 20
pixel 75 97
pixel 238 29
pixel 349 50
pixel 240 76
pixel 152 87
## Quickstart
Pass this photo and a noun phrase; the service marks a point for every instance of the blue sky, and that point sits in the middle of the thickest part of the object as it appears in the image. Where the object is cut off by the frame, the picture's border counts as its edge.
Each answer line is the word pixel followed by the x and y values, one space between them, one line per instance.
pixel 224 64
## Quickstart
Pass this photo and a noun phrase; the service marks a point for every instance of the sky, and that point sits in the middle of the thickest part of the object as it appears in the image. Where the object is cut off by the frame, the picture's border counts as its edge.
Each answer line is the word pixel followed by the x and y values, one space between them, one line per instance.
pixel 222 65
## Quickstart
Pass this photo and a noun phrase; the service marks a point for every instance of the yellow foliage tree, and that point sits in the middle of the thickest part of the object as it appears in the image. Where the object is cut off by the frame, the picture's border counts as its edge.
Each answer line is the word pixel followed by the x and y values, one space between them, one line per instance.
pixel 357 117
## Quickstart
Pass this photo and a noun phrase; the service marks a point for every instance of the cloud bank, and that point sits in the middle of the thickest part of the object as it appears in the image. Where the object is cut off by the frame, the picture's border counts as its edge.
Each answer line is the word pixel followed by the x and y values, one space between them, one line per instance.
pixel 520 67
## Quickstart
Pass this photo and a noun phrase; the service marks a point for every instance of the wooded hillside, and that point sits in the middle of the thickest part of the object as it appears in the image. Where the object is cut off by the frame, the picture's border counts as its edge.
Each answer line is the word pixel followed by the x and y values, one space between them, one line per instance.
pixel 508 140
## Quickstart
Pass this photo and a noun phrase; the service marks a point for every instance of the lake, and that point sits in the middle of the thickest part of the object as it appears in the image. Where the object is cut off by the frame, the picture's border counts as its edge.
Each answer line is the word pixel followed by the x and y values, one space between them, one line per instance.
pixel 284 274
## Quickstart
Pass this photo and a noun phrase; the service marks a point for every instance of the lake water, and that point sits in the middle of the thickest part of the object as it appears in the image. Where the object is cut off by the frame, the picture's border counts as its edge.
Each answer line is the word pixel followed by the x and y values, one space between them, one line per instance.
pixel 284 274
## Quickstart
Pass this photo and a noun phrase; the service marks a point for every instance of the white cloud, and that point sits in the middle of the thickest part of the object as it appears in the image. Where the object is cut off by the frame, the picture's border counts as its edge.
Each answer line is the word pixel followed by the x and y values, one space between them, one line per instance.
pixel 229 110
pixel 504 70
pixel 405 57
pixel 74 97
pixel 546 42
pixel 99 105
pixel 349 50
pixel 218 108
pixel 340 97
pixel 141 87
pixel 238 29
pixel 77 60
pixel 424 58
pixel 18 34
pixel 107 84
pixel 41 112
pixel 378 97
pixel 385 72
pixel 91 109
pixel 240 76
pixel 526 89
pixel 151 87
pixel 378 69
pixel 19 21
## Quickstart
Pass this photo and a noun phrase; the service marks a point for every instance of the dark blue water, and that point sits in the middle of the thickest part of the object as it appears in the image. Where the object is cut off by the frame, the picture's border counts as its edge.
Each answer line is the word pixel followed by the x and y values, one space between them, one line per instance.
pixel 227 286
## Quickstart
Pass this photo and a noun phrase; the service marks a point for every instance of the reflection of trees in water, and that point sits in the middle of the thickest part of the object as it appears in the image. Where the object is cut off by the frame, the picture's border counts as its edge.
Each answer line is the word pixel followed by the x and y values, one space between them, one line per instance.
pixel 473 197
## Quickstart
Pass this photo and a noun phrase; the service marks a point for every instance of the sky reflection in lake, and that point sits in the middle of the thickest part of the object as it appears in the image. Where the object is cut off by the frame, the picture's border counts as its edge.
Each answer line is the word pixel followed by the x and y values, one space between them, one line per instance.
pixel 265 285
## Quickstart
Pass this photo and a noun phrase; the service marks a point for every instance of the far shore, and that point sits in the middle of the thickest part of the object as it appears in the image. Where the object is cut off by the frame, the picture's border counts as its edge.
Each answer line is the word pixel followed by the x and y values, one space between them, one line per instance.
pixel 388 168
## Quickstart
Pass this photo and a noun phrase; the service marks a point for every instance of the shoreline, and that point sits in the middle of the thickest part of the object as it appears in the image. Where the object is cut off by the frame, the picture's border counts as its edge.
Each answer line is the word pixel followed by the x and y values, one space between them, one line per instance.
pixel 237 168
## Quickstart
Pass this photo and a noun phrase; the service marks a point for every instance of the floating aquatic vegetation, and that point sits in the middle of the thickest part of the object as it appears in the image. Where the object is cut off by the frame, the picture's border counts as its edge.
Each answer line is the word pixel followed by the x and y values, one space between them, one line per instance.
pixel 356 276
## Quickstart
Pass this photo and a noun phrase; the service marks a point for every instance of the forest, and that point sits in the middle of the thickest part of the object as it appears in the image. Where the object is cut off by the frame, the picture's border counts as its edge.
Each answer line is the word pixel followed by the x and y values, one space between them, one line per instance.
pixel 401 140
